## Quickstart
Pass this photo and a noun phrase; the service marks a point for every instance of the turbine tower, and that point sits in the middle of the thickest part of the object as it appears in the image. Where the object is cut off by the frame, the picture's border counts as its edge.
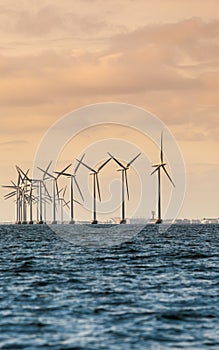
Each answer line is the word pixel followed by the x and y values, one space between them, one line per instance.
pixel 73 181
pixel 123 170
pixel 158 167
pixel 47 198
pixel 96 186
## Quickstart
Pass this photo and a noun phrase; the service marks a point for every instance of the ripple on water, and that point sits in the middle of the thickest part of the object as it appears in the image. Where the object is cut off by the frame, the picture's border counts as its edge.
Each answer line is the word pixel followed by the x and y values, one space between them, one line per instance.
pixel 158 290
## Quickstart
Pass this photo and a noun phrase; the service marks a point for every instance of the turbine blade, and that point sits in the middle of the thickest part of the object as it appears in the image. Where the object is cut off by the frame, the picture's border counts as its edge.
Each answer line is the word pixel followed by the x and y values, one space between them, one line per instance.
pixel 20 171
pixel 87 166
pixel 47 192
pixel 64 191
pixel 79 190
pixel 57 172
pixel 128 165
pixel 77 166
pixel 19 179
pixel 155 169
pixel 157 165
pixel 62 171
pixel 48 166
pixel 57 189
pixel 66 204
pixel 46 173
pixel 98 186
pixel 45 200
pixel 27 173
pixel 168 175
pixel 126 182
pixel 77 202
pixel 41 169
pixel 46 178
pixel 10 195
pixel 116 160
pixel 161 147
pixel 103 165
pixel 64 174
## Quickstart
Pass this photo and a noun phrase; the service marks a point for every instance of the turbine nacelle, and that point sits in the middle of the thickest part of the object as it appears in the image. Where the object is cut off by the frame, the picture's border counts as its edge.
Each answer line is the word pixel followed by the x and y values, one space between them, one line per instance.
pixel 158 165
pixel 122 169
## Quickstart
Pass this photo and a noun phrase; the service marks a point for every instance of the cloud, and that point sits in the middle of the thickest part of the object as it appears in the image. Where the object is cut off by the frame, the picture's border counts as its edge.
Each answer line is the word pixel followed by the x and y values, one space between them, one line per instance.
pixel 13 142
pixel 171 67
pixel 46 21
pixel 185 31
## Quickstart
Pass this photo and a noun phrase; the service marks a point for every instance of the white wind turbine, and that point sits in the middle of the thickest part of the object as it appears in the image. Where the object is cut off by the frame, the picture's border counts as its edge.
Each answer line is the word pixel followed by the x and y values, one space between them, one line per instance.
pixel 23 194
pixel 73 181
pixel 39 185
pixel 159 167
pixel 96 185
pixel 123 170
pixel 17 192
pixel 54 186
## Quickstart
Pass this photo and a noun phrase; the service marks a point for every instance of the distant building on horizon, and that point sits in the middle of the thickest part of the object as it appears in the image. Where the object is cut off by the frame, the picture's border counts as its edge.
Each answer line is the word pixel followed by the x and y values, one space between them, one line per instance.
pixel 210 221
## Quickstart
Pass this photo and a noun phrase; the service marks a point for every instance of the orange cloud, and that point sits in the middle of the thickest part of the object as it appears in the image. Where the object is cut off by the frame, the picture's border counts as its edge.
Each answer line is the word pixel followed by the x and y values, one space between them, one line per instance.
pixel 179 68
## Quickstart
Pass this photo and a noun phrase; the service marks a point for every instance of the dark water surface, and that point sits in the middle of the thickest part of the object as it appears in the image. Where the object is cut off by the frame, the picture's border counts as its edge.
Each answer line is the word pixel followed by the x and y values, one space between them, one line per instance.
pixel 156 291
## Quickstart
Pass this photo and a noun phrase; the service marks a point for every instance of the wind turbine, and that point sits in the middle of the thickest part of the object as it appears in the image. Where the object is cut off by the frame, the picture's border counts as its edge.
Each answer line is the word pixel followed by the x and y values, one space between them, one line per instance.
pixel 55 187
pixel 123 170
pixel 73 181
pixel 158 167
pixel 96 185
pixel 16 191
pixel 39 185
pixel 23 194
pixel 29 196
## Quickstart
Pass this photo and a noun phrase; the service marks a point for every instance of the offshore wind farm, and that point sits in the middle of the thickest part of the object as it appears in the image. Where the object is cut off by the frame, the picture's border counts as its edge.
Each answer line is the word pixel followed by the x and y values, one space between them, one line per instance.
pixel 31 197
pixel 44 200
pixel 109 191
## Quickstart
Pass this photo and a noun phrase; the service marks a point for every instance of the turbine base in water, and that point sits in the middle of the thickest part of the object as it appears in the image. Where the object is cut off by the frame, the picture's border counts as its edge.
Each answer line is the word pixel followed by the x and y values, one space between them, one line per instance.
pixel 94 222
pixel 123 221
pixel 158 221
pixel 72 222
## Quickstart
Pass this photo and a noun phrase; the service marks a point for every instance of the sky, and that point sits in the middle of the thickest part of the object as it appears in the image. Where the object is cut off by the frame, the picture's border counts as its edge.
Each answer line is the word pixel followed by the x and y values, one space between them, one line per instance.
pixel 162 56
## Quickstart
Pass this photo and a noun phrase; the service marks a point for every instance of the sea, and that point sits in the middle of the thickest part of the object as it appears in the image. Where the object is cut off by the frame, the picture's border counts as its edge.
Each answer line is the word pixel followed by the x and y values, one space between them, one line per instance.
pixel 156 289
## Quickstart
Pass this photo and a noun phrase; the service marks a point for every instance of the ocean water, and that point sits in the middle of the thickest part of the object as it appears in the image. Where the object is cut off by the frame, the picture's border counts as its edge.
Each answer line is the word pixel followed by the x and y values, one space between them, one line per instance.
pixel 155 290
